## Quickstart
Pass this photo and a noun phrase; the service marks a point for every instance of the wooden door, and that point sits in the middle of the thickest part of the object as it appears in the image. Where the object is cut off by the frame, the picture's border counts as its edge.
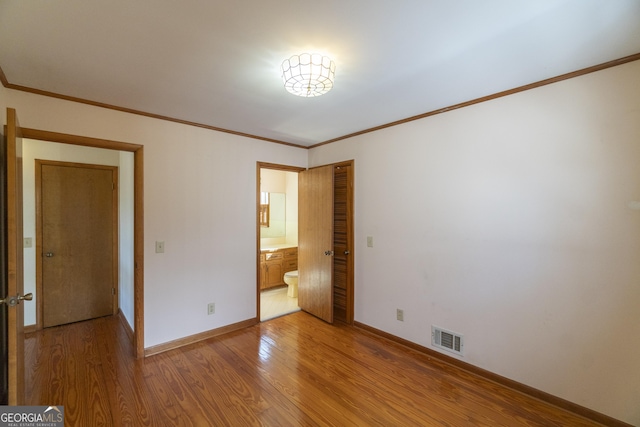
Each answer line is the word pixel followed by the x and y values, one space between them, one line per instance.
pixel 77 209
pixel 315 242
pixel 14 259
pixel 4 343
pixel 342 243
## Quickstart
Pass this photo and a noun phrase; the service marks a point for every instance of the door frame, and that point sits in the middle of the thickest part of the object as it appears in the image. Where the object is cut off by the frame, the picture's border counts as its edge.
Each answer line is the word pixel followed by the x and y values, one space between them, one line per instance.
pixel 138 216
pixel 39 233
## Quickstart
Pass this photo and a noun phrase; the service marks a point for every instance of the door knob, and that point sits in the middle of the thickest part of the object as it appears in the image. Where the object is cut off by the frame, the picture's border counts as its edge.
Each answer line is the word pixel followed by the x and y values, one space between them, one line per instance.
pixel 27 297
pixel 347 252
pixel 13 301
pixel 49 254
pixel 329 253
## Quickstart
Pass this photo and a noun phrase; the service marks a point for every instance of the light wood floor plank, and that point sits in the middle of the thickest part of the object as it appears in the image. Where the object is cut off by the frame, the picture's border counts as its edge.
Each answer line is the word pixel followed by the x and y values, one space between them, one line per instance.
pixel 290 371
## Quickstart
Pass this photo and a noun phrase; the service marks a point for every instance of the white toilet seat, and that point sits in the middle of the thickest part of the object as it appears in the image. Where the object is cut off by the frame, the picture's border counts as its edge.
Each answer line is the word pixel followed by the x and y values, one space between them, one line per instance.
pixel 291 279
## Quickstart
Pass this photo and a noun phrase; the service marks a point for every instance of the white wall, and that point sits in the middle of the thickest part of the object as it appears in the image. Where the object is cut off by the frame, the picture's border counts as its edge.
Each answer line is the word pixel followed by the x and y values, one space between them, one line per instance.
pixel 509 222
pixel 199 198
pixel 273 181
pixel 292 208
pixel 126 236
pixel 278 181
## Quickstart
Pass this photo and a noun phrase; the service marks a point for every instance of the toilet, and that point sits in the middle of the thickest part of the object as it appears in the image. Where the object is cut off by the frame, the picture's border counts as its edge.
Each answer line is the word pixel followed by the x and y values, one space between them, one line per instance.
pixel 291 279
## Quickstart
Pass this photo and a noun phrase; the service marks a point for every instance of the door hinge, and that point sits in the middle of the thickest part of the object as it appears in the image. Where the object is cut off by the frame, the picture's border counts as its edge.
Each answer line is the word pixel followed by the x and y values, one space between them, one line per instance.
pixel 113 291
pixel 113 185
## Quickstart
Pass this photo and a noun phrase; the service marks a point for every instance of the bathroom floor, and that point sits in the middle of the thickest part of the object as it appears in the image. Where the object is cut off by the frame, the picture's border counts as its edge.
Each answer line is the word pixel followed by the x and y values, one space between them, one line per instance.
pixel 275 302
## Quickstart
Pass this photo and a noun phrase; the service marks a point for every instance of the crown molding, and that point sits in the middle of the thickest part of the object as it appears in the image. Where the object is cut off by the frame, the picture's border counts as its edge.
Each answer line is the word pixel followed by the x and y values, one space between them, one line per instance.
pixel 3 78
pixel 8 85
pixel 530 86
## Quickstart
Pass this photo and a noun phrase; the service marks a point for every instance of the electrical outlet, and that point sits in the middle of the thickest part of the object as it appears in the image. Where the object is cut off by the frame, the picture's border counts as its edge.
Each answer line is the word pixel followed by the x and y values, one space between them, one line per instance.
pixel 400 315
pixel 211 308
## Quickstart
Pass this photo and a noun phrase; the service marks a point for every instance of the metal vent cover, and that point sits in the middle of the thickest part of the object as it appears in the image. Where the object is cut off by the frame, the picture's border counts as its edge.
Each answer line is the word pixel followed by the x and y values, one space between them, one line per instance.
pixel 447 340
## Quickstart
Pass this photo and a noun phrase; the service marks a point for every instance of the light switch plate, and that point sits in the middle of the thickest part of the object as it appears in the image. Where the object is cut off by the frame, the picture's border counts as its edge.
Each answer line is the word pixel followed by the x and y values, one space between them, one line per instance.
pixel 159 247
pixel 370 241
pixel 28 242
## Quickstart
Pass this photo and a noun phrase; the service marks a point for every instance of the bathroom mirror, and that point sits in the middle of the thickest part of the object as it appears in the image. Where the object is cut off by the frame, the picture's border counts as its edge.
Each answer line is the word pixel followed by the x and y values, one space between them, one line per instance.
pixel 277 220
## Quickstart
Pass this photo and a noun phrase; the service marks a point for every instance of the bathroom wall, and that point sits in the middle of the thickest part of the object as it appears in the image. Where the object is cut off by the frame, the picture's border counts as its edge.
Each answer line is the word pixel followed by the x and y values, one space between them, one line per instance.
pixel 291 179
pixel 276 181
pixel 515 223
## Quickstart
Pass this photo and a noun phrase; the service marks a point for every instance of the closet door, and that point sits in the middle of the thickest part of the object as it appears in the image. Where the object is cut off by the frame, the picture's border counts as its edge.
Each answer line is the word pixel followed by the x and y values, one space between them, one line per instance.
pixel 315 242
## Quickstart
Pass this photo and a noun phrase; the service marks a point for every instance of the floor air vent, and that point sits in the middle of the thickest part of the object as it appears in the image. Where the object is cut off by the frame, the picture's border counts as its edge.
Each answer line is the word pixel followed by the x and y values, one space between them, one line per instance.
pixel 447 340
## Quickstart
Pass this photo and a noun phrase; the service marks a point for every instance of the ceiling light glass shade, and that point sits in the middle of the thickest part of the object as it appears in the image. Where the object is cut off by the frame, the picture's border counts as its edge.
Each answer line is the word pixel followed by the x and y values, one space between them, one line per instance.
pixel 308 74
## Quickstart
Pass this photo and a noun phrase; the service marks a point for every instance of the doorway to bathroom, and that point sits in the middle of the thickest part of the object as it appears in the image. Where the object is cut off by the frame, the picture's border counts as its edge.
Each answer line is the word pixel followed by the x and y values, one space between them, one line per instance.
pixel 277 231
pixel 315 241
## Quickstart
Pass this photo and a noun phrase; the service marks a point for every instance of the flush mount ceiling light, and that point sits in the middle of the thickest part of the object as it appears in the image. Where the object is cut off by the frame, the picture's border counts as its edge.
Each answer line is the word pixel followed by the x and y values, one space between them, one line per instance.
pixel 308 74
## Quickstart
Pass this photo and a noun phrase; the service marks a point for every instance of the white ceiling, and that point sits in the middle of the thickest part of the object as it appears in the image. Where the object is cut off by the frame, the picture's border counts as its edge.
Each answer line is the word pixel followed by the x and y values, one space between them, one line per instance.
pixel 216 63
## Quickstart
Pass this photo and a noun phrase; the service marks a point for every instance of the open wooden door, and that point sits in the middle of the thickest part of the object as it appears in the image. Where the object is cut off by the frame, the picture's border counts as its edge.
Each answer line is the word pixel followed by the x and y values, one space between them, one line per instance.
pixel 315 242
pixel 4 342
pixel 15 276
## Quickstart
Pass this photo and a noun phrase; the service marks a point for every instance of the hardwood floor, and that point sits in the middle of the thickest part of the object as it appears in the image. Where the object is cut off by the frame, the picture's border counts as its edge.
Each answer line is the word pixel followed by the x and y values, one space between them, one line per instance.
pixel 293 370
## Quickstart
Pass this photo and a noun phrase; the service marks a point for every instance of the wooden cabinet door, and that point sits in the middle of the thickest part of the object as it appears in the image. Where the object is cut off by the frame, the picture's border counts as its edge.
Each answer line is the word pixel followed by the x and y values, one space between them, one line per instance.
pixel 274 275
pixel 315 242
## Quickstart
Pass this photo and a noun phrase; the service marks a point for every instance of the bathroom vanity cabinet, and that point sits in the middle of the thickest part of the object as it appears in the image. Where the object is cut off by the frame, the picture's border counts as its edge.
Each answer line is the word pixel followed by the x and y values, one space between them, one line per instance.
pixel 273 265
